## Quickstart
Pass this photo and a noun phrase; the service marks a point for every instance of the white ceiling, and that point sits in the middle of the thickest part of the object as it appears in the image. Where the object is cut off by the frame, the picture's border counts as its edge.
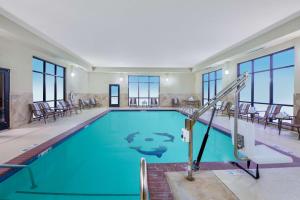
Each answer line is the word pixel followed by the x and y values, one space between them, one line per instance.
pixel 149 33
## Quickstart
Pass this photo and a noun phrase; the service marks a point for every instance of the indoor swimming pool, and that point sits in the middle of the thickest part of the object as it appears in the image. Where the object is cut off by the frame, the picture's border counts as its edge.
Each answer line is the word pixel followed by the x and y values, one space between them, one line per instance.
pixel 102 160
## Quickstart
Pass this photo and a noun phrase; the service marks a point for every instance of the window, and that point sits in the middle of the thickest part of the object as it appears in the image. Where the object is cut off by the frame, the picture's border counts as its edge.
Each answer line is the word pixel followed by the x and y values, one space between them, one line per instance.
pixel 211 85
pixel 271 80
pixel 143 88
pixel 48 81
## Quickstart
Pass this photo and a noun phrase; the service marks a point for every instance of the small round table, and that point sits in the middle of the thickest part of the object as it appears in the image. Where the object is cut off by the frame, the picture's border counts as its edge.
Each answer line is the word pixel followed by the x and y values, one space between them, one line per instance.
pixel 280 119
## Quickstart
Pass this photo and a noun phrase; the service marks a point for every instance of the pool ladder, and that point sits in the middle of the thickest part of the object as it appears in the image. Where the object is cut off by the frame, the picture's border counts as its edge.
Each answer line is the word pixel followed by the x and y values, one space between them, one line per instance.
pixel 33 183
pixel 144 193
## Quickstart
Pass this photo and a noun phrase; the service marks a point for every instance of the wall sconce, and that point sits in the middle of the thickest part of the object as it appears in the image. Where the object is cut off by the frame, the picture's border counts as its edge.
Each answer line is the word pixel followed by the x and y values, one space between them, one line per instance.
pixel 167 78
pixel 72 71
pixel 121 78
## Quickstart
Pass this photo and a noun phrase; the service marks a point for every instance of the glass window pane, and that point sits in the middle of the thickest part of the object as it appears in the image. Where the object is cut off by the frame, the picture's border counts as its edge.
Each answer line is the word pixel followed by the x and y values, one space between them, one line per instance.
pixel 283 86
pixel 49 87
pixel 154 79
pixel 205 90
pixel 59 88
pixel 144 79
pixel 154 90
pixel 262 64
pixel 37 65
pixel 284 58
pixel 205 77
pixel 114 90
pixel 219 85
pixel 262 87
pixel 245 94
pixel 211 89
pixel 143 89
pixel 59 71
pixel 37 86
pixel 212 76
pixel 245 67
pixel 115 100
pixel 133 90
pixel 219 74
pixel 133 78
pixel 50 68
pixel 205 101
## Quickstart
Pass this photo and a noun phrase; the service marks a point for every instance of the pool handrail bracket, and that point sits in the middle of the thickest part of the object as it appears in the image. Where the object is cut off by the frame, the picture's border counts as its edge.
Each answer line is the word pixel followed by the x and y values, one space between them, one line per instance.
pixel 144 193
pixel 237 85
pixel 15 166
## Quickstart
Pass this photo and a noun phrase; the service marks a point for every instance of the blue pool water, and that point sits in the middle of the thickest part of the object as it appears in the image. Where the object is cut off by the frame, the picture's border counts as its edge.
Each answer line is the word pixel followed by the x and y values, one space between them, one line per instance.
pixel 101 161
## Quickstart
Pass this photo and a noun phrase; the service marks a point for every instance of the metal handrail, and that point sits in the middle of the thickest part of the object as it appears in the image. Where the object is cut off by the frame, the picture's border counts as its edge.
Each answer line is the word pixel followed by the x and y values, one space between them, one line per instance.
pixel 144 193
pixel 33 183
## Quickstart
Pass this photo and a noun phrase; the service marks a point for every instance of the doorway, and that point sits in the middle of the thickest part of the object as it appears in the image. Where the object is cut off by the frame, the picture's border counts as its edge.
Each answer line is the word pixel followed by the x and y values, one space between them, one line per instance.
pixel 4 98
pixel 114 95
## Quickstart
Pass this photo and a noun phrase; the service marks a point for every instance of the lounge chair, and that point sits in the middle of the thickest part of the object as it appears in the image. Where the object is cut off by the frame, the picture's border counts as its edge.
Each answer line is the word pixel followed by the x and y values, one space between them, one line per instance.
pixel 36 113
pixel 270 114
pixel 62 106
pixel 232 109
pixel 259 154
pixel 132 101
pixel 295 123
pixel 244 110
pixel 48 111
pixel 153 102
pixel 175 102
pixel 72 106
pixel 224 108
pixel 93 102
pixel 84 103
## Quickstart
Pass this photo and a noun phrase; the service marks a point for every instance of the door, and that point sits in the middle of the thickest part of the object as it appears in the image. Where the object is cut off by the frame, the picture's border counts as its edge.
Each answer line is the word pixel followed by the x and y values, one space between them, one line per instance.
pixel 4 98
pixel 114 95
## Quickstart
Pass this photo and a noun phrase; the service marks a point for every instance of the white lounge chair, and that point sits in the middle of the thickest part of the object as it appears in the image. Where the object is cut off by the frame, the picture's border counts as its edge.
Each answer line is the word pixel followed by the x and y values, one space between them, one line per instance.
pixel 259 154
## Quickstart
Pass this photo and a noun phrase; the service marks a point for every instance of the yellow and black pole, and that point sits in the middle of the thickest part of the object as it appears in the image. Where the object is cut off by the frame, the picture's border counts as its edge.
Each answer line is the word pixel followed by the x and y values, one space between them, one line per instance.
pixel 189 123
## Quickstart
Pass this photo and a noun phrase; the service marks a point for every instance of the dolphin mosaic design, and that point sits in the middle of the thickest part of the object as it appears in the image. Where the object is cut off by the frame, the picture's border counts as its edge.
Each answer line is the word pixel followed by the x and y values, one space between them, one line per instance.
pixel 130 137
pixel 158 151
pixel 171 137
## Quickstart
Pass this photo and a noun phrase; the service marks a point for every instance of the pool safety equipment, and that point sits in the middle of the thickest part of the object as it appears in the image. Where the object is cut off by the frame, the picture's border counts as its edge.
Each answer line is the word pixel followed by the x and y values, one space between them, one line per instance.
pixel 13 166
pixel 237 85
pixel 187 136
pixel 144 193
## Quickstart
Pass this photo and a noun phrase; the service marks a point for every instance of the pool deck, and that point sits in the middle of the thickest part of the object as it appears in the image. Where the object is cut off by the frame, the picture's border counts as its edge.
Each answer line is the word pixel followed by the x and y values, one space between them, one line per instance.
pixel 32 139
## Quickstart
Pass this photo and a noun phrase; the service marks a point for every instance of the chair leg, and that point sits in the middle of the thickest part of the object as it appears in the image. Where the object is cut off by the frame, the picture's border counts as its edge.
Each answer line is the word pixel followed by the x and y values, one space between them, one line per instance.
pixel 266 122
pixel 298 129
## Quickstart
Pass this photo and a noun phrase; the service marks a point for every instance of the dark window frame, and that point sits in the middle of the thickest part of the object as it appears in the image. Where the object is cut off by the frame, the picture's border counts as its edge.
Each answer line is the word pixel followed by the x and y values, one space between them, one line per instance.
pixel 149 83
pixel 208 83
pixel 271 73
pixel 45 74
